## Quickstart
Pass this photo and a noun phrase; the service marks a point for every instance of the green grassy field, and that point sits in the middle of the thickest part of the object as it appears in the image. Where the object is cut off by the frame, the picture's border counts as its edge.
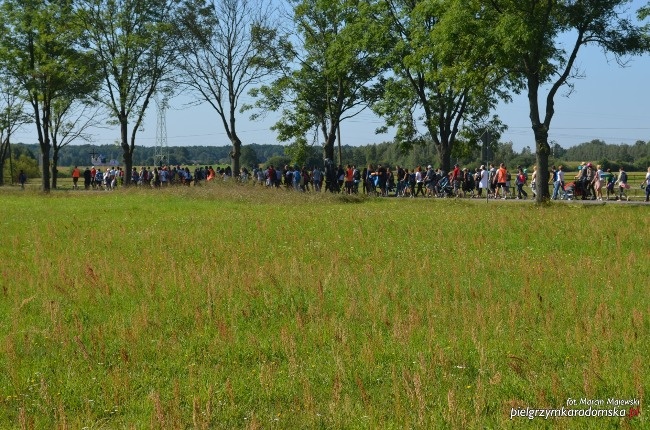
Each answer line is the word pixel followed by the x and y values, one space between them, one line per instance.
pixel 228 307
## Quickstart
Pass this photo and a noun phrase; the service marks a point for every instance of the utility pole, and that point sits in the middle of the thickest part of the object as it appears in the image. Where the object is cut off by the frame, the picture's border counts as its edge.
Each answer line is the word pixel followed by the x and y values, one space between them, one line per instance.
pixel 161 153
pixel 93 156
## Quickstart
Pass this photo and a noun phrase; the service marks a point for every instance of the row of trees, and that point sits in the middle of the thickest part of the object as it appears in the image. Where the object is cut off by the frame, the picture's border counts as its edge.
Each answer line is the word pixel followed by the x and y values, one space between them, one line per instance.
pixel 434 70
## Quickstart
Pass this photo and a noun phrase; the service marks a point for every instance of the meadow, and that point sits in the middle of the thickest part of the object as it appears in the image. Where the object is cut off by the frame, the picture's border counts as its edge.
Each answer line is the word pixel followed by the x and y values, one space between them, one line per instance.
pixel 225 306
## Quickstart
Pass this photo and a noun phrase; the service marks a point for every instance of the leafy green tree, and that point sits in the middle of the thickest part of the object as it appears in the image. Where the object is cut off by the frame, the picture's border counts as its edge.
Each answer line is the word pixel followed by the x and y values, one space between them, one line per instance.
pixel 12 117
pixel 278 161
pixel 23 161
pixel 478 142
pixel 249 157
pixel 556 150
pixel 218 55
pixel 39 49
pixel 133 44
pixel 298 151
pixel 371 154
pixel 442 70
pixel 529 33
pixel 327 72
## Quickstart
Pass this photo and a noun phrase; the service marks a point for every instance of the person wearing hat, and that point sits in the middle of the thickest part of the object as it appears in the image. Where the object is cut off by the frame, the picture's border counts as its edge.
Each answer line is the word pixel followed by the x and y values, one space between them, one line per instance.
pixel 581 180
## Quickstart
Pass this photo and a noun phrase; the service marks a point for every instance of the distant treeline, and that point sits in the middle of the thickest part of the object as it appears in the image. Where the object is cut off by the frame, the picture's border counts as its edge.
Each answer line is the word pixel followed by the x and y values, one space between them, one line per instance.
pixel 637 155
pixel 633 157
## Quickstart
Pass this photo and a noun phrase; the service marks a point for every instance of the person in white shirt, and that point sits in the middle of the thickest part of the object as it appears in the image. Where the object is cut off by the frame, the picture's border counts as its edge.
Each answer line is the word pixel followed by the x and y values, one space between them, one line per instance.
pixel 558 183
pixel 483 181
pixel 622 184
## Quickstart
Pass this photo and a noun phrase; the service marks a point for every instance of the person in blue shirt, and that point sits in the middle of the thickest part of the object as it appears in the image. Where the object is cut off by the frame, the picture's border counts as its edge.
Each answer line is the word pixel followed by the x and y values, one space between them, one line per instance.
pixel 296 178
pixel 22 178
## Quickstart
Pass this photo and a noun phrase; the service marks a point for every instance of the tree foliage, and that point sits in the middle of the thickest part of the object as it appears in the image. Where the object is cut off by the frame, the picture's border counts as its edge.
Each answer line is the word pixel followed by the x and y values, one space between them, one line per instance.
pixel 132 42
pixel 328 75
pixel 441 56
pixel 529 32
pixel 40 51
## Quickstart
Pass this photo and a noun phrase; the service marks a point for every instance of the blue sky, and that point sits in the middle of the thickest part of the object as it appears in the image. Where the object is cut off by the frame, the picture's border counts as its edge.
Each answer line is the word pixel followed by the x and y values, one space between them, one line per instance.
pixel 610 103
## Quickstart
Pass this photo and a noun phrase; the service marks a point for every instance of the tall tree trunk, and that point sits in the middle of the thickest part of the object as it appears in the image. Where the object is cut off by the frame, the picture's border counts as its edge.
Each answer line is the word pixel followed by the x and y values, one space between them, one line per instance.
pixel 55 165
pixel 330 138
pixel 338 138
pixel 128 167
pixel 45 161
pixel 45 145
pixel 43 138
pixel 4 150
pixel 444 152
pixel 540 130
pixel 127 150
pixel 235 153
pixel 328 148
pixel 543 150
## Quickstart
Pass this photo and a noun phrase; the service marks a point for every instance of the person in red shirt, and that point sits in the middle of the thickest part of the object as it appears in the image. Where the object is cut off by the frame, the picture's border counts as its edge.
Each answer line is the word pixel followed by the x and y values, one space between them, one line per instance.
pixel 456 179
pixel 76 173
pixel 93 171
pixel 502 174
pixel 349 179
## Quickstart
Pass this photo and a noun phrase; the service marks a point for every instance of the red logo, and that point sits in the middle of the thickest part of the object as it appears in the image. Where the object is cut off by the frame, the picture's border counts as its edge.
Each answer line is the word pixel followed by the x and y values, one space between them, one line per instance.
pixel 634 412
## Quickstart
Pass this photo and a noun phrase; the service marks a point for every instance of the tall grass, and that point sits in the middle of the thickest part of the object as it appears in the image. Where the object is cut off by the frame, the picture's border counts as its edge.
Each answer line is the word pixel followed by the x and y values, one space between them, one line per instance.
pixel 230 307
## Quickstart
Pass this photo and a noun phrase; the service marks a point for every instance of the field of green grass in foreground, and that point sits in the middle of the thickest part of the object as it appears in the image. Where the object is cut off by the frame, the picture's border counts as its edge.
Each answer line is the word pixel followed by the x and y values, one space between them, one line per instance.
pixel 230 307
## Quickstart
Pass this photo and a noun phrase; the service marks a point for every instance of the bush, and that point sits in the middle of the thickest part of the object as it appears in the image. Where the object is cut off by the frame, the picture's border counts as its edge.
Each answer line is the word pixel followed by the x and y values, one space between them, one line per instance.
pixel 26 163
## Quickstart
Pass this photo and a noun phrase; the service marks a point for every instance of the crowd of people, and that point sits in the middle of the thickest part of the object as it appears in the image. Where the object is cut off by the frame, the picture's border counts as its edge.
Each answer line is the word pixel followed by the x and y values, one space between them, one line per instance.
pixel 496 182
pixel 402 182
pixel 111 177
pixel 590 182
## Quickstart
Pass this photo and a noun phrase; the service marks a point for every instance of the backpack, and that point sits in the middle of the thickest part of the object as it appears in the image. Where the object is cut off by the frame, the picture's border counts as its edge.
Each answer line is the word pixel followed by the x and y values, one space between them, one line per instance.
pixel 623 177
pixel 356 174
